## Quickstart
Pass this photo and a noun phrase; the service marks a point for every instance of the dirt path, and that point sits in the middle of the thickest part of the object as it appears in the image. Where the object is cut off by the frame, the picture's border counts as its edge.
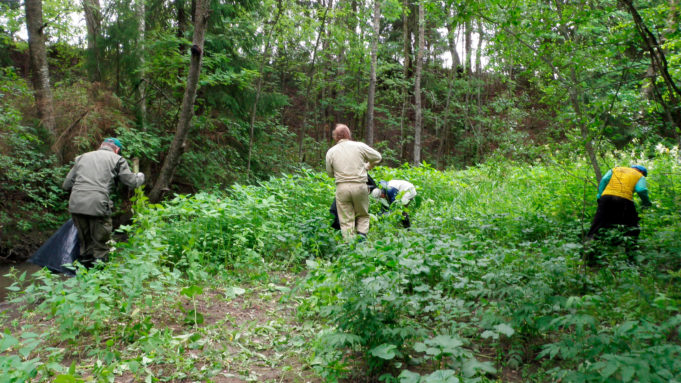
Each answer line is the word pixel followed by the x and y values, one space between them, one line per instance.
pixel 255 334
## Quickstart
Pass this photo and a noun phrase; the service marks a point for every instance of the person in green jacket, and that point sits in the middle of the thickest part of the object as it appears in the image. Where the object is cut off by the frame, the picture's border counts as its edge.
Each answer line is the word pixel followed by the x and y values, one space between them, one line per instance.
pixel 90 182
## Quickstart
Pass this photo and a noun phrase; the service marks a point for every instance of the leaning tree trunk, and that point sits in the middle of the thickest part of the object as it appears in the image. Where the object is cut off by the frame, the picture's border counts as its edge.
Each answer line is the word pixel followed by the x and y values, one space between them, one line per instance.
pixel 40 74
pixel 417 89
pixel 372 76
pixel 659 63
pixel 575 94
pixel 187 110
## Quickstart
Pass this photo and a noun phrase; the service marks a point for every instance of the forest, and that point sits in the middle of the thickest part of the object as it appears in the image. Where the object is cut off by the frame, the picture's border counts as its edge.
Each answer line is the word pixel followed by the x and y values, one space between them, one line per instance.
pixel 224 267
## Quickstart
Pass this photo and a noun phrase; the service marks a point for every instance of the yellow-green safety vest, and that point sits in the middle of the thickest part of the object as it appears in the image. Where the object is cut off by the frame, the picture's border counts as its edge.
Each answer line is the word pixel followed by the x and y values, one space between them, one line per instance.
pixel 623 182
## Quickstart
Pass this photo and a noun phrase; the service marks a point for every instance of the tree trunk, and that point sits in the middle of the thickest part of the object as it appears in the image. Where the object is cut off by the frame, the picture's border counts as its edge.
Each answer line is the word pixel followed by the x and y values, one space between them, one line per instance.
pixel 406 35
pixel 417 89
pixel 258 88
pixel 141 88
pixel 451 38
pixel 187 109
pixel 468 46
pixel 576 96
pixel 40 74
pixel 478 51
pixel 93 22
pixel 372 76
pixel 182 21
pixel 658 61
pixel 310 81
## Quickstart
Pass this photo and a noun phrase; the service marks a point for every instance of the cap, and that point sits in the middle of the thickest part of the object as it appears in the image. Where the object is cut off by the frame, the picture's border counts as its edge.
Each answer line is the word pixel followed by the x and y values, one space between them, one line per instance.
pixel 115 141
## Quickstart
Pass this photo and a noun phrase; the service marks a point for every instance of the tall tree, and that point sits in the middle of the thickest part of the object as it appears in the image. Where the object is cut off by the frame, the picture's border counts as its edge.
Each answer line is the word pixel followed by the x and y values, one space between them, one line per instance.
pixel 478 50
pixel 93 22
pixel 310 79
pixel 172 159
pixel 372 75
pixel 468 45
pixel 40 74
pixel 141 88
pixel 258 87
pixel 417 87
pixel 406 39
pixel 456 62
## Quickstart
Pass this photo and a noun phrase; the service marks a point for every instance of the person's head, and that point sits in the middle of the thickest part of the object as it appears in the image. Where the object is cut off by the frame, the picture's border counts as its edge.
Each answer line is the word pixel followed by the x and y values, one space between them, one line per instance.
pixel 112 143
pixel 378 193
pixel 641 169
pixel 341 132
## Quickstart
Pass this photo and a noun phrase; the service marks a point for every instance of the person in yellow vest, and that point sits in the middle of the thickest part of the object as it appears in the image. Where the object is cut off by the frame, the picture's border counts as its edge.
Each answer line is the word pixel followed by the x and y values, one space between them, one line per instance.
pixel 616 200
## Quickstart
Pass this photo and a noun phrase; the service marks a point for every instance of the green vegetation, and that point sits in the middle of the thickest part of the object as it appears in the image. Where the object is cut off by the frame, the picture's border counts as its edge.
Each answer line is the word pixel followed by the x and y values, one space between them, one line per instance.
pixel 488 283
pixel 509 119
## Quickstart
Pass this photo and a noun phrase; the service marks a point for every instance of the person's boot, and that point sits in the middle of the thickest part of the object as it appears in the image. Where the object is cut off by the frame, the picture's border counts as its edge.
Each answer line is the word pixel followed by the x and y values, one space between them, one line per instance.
pixel 361 237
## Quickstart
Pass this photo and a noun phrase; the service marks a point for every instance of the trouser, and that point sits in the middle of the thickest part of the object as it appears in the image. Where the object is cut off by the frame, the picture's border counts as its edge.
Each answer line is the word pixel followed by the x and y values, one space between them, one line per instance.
pixel 613 211
pixel 93 233
pixel 352 201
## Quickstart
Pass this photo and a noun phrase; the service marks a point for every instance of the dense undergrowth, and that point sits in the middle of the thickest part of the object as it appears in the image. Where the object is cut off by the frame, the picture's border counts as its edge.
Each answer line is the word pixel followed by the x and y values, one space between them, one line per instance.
pixel 488 285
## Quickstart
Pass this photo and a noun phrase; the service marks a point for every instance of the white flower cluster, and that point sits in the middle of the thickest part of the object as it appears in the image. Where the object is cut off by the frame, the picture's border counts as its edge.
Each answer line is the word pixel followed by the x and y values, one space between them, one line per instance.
pixel 673 151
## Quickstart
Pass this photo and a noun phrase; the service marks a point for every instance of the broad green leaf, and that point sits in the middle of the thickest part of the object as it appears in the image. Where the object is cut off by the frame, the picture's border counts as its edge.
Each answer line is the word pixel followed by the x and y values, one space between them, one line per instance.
pixel 7 342
pixel 505 329
pixel 441 376
pixel 407 376
pixel 472 366
pixel 385 351
pixel 191 291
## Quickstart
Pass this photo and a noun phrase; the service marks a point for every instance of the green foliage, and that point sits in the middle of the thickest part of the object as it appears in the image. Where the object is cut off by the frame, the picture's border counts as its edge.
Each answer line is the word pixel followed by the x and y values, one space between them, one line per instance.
pixel 494 260
pixel 489 279
pixel 30 179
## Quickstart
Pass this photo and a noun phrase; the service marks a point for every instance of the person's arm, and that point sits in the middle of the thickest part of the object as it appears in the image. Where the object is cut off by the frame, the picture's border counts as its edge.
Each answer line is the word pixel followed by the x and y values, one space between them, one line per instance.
pixel 604 182
pixel 126 176
pixel 371 156
pixel 641 189
pixel 70 178
pixel 329 165
pixel 408 195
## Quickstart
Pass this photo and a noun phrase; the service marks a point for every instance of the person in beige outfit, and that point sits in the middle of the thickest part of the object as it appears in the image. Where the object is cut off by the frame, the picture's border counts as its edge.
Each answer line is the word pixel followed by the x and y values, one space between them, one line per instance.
pixel 348 162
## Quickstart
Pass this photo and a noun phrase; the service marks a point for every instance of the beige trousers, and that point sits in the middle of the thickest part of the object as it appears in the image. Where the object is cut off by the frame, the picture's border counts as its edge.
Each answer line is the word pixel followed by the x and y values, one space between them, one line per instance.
pixel 352 201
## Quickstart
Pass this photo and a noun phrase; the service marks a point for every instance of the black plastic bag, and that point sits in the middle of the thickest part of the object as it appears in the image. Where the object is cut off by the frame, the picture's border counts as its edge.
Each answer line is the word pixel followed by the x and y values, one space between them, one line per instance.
pixel 63 247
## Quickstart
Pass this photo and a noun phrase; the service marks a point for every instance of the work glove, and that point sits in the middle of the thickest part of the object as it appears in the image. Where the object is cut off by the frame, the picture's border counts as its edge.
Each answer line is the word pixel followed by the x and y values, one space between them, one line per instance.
pixel 140 175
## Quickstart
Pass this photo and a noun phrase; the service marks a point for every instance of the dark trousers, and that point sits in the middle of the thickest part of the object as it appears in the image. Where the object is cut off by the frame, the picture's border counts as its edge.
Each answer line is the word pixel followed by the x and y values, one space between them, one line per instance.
pixel 93 233
pixel 614 211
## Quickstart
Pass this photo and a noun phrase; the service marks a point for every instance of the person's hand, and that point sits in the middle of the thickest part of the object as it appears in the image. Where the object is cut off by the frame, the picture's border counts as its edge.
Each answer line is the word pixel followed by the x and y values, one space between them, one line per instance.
pixel 141 175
